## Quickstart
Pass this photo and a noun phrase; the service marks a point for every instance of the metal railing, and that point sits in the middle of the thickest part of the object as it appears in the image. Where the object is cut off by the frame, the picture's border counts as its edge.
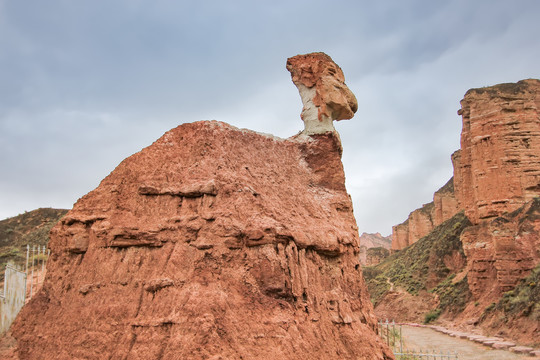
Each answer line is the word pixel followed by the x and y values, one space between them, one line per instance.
pixel 20 283
pixel 13 296
pixel 425 355
pixel 392 334
pixel 40 255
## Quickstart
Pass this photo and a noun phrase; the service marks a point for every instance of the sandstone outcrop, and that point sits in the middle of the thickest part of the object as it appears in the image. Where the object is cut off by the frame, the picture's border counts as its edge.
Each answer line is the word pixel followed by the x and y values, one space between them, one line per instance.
pixel 212 243
pixel 497 169
pixel 497 178
pixel 376 255
pixel 372 241
pixel 445 204
pixel 502 251
pixel 422 221
pixel 322 88
pixel 492 276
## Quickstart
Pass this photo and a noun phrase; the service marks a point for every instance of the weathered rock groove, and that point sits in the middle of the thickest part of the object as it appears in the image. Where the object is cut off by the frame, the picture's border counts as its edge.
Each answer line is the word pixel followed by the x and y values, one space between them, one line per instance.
pixel 212 243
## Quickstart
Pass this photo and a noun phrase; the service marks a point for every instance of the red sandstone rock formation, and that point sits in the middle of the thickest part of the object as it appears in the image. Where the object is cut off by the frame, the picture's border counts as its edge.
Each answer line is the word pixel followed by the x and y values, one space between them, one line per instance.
pixel 497 184
pixel 212 243
pixel 325 96
pixel 445 204
pixel 422 221
pixel 375 255
pixel 497 169
pixel 496 172
pixel 369 241
pixel 502 251
pixel 400 235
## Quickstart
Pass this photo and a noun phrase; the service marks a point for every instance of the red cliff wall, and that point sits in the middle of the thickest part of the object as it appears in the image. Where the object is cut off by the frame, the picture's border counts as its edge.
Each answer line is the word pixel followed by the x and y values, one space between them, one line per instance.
pixel 497 169
pixel 496 172
pixel 420 223
pixel 502 251
pixel 445 204
pixel 400 235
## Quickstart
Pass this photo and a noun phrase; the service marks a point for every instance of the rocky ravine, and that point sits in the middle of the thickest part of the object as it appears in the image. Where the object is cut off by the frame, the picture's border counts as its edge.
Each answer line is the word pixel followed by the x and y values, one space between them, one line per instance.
pixel 497 185
pixel 496 172
pixel 212 243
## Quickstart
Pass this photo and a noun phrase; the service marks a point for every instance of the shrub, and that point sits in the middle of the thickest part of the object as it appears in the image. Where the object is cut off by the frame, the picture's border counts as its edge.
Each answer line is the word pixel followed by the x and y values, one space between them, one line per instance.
pixel 411 267
pixel 524 299
pixel 432 316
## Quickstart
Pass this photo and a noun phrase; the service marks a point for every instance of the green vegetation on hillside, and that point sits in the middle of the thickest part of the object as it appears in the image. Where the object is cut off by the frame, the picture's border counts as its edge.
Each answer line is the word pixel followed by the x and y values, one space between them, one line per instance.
pixel 11 253
pixel 30 228
pixel 378 252
pixel 453 295
pixel 427 265
pixel 524 300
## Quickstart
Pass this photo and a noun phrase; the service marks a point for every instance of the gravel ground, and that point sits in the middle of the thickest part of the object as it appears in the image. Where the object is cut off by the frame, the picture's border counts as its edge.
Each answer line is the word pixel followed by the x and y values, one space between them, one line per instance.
pixel 425 338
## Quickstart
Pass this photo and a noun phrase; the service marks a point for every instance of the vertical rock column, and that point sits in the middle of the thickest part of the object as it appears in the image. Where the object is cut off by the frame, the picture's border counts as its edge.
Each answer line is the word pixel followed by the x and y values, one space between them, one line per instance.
pixel 497 169
pixel 496 172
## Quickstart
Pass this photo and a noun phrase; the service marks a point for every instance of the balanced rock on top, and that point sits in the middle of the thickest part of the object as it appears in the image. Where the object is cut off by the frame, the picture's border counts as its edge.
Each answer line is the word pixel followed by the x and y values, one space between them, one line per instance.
pixel 212 243
pixel 323 91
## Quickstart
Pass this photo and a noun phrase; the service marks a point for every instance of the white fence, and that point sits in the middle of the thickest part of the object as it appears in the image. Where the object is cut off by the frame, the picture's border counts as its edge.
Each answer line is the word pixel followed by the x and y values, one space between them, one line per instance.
pixel 13 297
pixel 424 355
pixel 35 267
pixel 21 284
pixel 392 334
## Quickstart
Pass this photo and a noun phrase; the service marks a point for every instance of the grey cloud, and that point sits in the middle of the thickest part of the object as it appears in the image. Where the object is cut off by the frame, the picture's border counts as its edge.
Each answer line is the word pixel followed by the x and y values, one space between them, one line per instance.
pixel 86 84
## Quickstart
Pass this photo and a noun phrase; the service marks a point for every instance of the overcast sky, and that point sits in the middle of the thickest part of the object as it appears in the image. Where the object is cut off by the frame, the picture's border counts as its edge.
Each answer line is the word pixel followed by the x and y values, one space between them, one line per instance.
pixel 84 84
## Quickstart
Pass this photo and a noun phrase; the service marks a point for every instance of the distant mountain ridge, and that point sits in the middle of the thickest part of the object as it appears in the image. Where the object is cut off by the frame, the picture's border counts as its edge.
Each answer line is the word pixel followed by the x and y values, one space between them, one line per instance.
pixel 374 241
pixel 490 278
pixel 31 228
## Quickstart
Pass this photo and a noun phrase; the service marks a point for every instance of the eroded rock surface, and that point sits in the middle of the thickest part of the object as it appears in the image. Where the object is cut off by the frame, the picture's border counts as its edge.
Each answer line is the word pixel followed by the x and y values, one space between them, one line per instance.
pixel 325 96
pixel 212 243
pixel 497 169
pixel 491 281
pixel 502 251
pixel 497 172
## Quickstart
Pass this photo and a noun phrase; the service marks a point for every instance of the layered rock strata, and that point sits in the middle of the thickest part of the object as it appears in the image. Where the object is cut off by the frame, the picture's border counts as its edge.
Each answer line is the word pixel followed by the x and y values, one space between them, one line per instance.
pixel 422 221
pixel 212 243
pixel 502 251
pixel 497 178
pixel 497 169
